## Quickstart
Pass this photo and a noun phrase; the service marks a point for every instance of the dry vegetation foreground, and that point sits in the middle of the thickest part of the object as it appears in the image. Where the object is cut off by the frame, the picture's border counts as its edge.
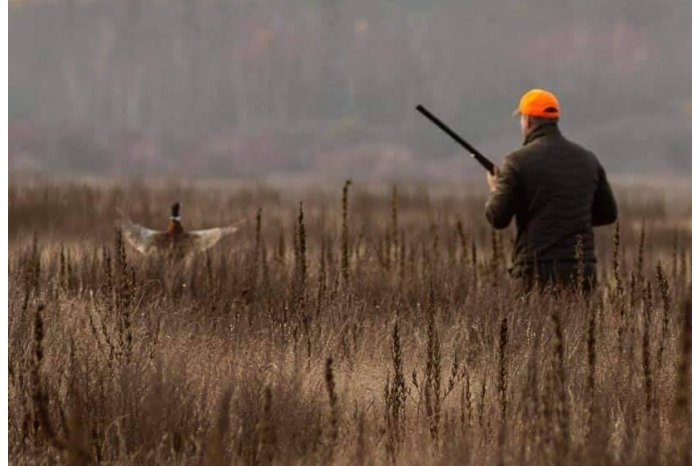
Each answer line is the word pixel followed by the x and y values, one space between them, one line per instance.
pixel 361 329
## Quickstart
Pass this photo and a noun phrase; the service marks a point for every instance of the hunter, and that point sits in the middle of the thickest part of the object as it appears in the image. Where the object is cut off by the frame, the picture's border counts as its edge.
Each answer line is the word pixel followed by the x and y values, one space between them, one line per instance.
pixel 557 191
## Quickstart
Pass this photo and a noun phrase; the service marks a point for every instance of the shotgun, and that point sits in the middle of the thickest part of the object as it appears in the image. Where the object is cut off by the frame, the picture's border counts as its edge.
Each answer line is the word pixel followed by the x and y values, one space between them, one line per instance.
pixel 486 163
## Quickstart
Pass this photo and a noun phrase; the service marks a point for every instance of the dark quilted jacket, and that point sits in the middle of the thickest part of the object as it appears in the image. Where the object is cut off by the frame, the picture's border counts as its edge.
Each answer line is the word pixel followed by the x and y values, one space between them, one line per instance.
pixel 556 190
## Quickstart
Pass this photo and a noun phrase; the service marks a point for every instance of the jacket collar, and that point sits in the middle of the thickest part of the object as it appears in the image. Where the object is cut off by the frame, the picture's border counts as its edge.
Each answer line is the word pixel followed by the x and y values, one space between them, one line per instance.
pixel 545 129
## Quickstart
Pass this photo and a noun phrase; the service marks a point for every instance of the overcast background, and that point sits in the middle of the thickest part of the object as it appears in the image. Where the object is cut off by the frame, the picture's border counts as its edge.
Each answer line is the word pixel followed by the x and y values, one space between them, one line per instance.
pixel 326 89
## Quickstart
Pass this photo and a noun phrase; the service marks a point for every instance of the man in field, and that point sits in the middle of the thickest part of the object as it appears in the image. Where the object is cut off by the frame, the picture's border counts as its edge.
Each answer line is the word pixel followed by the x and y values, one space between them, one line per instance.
pixel 557 191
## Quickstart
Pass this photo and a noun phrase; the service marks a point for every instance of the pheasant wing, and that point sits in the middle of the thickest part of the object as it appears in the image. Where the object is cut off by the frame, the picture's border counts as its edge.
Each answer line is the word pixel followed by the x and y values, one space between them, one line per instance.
pixel 205 239
pixel 140 238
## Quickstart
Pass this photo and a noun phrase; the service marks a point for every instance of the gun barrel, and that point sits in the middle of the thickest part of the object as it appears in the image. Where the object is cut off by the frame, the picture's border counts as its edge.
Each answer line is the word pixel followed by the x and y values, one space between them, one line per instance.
pixel 486 163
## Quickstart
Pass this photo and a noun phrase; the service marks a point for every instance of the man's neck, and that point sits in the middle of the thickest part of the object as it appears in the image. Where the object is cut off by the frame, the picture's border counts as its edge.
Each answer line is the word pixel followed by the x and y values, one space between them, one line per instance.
pixel 535 131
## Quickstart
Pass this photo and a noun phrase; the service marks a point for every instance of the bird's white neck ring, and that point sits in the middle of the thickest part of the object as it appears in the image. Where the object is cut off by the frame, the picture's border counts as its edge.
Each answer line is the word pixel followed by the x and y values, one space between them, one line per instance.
pixel 175 219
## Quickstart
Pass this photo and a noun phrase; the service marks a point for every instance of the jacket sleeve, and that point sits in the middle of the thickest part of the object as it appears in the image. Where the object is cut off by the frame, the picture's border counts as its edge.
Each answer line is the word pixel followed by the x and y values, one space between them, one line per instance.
pixel 604 208
pixel 501 204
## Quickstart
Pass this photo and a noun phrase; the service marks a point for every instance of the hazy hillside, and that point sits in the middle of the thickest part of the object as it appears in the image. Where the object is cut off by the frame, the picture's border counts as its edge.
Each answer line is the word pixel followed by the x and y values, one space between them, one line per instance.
pixel 327 87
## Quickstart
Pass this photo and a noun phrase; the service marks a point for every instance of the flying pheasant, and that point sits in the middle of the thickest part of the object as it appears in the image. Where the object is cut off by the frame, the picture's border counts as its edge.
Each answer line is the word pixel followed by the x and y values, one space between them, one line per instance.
pixel 174 241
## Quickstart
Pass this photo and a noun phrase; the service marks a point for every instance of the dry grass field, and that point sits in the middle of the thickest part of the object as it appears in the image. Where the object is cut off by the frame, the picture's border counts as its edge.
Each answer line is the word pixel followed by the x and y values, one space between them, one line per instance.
pixel 371 328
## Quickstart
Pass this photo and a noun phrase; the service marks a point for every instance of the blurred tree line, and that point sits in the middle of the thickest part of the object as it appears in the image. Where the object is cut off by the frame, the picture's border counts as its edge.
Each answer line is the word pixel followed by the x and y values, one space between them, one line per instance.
pixel 269 84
